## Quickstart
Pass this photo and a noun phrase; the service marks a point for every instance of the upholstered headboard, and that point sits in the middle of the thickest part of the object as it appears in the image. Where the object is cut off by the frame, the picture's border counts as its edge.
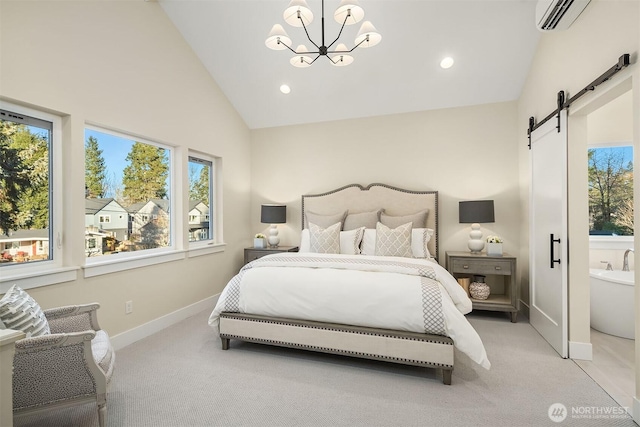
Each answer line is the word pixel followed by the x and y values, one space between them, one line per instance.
pixel 395 201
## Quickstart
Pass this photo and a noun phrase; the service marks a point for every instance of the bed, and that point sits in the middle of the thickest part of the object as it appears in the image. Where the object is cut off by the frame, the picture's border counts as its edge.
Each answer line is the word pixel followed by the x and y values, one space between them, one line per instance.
pixel 349 292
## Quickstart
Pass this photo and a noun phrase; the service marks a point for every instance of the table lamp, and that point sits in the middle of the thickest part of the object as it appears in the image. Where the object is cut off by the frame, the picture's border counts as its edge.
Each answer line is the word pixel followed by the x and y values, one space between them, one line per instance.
pixel 273 214
pixel 475 212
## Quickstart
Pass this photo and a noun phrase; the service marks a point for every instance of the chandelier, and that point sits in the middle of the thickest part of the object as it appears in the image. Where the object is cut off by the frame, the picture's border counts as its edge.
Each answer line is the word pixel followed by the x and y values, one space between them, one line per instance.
pixel 298 14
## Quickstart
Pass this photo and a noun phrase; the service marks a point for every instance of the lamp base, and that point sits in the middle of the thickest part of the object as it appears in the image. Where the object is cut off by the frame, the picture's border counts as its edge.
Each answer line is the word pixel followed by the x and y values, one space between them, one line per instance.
pixel 273 239
pixel 476 244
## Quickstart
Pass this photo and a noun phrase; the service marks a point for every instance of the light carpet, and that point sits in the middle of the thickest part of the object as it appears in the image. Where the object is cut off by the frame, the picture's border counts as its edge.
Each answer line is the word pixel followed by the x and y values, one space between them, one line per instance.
pixel 182 377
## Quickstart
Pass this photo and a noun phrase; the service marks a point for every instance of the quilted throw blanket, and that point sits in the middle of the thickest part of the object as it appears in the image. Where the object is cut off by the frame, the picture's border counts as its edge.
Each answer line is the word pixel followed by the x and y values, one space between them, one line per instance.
pixel 404 294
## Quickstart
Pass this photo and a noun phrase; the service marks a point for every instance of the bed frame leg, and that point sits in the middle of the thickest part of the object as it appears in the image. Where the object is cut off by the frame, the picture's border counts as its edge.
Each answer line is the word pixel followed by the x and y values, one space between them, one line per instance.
pixel 225 343
pixel 446 376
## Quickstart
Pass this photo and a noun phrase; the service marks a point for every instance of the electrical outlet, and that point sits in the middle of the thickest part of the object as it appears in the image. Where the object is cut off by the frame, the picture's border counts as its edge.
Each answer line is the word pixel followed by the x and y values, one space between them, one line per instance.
pixel 128 307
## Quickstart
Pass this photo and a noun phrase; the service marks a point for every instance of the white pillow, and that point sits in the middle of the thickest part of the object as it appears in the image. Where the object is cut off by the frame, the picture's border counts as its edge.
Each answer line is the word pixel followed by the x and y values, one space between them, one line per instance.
pixel 325 240
pixel 349 241
pixel 393 241
pixel 420 237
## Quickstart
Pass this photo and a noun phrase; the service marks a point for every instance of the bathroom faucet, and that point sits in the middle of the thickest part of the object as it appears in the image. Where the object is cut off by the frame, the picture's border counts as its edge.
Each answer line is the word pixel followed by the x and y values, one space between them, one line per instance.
pixel 609 267
pixel 625 263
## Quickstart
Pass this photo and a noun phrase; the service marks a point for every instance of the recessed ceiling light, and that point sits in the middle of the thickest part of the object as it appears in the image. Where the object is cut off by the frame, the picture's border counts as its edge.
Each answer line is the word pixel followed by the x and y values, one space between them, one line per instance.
pixel 285 89
pixel 446 62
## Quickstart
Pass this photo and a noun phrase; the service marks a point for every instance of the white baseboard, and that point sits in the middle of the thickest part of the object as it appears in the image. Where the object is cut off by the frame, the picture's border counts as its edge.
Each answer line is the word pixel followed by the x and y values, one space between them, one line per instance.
pixel 524 309
pixel 580 350
pixel 132 335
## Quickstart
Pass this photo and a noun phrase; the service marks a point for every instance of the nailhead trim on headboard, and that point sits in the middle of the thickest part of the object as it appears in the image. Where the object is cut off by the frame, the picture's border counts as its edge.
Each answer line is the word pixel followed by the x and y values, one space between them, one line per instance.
pixel 368 187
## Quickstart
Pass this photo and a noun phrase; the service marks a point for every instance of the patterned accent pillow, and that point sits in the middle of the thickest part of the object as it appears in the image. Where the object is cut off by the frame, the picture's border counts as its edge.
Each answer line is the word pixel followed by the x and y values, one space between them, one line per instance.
pixel 325 240
pixel 349 241
pixel 324 221
pixel 418 219
pixel 20 312
pixel 420 238
pixel 362 219
pixel 393 241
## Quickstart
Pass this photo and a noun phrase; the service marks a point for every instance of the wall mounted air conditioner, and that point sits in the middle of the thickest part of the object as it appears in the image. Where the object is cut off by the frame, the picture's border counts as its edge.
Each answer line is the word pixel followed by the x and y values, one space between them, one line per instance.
pixel 558 14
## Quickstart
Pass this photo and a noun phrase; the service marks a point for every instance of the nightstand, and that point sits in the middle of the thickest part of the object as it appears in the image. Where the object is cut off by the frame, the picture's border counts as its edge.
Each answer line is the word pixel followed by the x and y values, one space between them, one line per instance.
pixel 251 254
pixel 501 276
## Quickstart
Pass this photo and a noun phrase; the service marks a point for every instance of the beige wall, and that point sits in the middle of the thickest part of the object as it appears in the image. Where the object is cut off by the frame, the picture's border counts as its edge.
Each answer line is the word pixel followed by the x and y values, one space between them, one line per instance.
pixel 464 153
pixel 569 60
pixel 123 65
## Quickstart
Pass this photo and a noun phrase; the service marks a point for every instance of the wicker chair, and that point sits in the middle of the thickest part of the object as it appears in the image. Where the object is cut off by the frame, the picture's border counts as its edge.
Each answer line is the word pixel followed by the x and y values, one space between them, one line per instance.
pixel 72 365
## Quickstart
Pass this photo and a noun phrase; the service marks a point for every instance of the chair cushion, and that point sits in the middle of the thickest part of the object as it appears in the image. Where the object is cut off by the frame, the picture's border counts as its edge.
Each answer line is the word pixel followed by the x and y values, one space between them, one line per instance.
pixel 103 353
pixel 20 312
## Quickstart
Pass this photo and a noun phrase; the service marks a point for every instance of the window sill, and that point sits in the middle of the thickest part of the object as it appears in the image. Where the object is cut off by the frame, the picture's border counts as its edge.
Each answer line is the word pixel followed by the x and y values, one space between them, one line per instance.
pixel 206 249
pixel 99 268
pixel 36 279
pixel 611 242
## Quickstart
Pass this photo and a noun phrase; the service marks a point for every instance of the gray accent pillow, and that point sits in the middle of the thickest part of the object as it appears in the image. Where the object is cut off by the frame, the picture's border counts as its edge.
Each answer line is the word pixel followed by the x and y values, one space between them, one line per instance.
pixel 325 240
pixel 393 241
pixel 418 219
pixel 324 221
pixel 20 312
pixel 362 219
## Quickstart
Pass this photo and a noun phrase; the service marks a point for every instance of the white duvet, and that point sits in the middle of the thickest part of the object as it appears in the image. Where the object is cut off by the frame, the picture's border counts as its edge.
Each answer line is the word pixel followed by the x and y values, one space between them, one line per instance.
pixel 370 291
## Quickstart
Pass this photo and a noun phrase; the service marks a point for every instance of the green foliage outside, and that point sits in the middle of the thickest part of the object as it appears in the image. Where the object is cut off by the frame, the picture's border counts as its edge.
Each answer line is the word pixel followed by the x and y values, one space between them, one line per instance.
pixel 24 178
pixel 94 169
pixel 610 192
pixel 145 177
pixel 199 187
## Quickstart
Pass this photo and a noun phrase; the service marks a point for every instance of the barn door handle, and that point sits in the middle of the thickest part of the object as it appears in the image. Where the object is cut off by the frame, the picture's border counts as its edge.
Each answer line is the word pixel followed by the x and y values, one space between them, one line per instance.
pixel 551 242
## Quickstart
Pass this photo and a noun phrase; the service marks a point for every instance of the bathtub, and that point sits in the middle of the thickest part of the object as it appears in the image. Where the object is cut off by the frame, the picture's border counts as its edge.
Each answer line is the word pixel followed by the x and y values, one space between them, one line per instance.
pixel 612 302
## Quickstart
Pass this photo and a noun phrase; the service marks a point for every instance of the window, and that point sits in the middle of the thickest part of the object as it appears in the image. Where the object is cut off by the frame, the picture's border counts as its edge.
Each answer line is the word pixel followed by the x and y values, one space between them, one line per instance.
pixel 128 180
pixel 27 209
pixel 611 191
pixel 201 198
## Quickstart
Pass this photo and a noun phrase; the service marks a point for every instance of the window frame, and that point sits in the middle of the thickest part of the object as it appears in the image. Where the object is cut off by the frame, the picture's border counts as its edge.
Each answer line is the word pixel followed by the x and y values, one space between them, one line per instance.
pixel 125 261
pixel 52 271
pixel 612 242
pixel 216 242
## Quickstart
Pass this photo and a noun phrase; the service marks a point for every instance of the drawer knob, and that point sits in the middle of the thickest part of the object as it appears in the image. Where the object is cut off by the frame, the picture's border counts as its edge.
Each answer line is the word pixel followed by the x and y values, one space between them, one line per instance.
pixel 466 267
pixel 498 268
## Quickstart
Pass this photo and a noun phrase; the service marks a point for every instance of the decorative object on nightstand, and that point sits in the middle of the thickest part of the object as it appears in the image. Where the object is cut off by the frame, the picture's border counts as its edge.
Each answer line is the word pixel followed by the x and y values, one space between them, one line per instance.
pixel 475 212
pixel 464 282
pixel 260 241
pixel 494 246
pixel 273 214
pixel 479 288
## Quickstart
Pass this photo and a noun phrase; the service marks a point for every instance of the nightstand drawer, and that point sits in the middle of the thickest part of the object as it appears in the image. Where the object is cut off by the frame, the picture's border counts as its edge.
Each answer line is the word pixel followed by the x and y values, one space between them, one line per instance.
pixel 481 266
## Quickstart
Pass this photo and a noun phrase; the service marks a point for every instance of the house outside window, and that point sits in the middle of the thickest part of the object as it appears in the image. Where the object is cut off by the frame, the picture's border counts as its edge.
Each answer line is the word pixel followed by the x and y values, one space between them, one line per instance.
pixel 132 177
pixel 32 170
pixel 202 198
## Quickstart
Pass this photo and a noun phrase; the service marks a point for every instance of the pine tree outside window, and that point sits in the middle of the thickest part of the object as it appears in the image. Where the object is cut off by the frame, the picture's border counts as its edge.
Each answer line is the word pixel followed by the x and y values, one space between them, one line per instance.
pixel 30 215
pixel 128 193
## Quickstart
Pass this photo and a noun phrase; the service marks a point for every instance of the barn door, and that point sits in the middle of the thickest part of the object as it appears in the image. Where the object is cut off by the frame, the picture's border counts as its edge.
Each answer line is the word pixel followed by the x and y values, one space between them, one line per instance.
pixel 548 233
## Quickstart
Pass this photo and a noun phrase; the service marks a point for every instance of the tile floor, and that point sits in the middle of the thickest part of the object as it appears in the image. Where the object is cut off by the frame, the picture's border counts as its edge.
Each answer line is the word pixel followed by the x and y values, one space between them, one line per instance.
pixel 612 366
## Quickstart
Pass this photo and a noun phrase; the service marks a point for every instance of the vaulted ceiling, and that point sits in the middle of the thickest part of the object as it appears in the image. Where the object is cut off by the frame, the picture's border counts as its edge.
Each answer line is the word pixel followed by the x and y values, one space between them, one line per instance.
pixel 492 43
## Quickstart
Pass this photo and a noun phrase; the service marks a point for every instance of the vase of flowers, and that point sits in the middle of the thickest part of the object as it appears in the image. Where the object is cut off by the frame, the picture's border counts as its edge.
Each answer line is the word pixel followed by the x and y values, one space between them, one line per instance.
pixel 494 246
pixel 260 241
